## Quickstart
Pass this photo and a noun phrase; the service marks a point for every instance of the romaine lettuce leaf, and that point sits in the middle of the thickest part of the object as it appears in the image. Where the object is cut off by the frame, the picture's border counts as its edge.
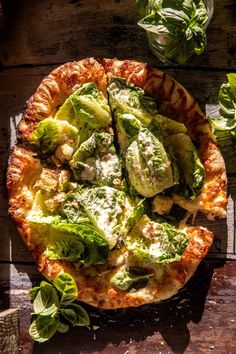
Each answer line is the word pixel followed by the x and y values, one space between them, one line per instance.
pixel 156 242
pixel 66 249
pixel 96 161
pixel 148 165
pixel 127 98
pixel 71 235
pixel 50 133
pixel 88 105
pixel 105 207
pixel 192 172
pixel 167 126
pixel 96 248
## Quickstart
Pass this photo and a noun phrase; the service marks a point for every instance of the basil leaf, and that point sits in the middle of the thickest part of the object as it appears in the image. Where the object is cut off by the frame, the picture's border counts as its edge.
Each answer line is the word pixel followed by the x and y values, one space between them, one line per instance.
pixel 43 328
pixel 33 292
pixel 66 285
pixel 62 327
pixel 130 278
pixel 76 314
pixel 46 301
pixel 69 314
pixel 232 82
pixel 227 101
pixel 175 29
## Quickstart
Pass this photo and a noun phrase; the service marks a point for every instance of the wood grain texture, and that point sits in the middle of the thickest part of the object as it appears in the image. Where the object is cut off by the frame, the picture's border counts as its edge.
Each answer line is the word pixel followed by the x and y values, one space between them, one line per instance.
pixel 201 318
pixel 45 33
pixel 9 331
pixel 59 31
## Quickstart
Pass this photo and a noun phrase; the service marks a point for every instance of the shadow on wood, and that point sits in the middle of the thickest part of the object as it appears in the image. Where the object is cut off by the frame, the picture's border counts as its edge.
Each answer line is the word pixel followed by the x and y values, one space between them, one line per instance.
pixel 141 328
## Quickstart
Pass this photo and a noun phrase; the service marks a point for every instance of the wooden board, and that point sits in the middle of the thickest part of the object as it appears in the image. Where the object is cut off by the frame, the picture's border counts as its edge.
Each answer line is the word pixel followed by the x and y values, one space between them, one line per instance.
pixel 200 319
pixel 38 36
pixel 50 31
pixel 9 331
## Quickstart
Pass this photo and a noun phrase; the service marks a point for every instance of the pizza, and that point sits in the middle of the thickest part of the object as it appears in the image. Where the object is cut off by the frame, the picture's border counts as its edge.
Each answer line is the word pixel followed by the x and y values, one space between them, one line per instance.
pixel 105 151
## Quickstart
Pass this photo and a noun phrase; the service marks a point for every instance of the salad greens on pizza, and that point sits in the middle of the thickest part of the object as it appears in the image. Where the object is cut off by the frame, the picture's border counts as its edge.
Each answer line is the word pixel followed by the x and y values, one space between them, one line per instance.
pixel 114 154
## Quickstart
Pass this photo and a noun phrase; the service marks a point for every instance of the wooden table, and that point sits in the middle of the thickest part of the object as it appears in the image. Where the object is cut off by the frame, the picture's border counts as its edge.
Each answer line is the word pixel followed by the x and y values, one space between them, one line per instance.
pixel 37 36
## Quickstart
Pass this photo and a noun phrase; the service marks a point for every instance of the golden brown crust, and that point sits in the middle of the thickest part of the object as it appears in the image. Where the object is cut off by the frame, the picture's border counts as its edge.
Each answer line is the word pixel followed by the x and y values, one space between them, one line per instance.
pixel 56 87
pixel 175 102
pixel 25 171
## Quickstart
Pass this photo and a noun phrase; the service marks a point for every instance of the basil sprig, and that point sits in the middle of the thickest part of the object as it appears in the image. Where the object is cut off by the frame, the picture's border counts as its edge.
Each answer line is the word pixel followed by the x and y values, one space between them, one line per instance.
pixel 54 308
pixel 227 101
pixel 175 28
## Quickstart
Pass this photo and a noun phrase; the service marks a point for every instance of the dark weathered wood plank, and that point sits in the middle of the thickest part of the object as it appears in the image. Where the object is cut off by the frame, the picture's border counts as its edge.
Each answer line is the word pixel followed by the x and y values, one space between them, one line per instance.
pixel 9 331
pixel 59 31
pixel 200 319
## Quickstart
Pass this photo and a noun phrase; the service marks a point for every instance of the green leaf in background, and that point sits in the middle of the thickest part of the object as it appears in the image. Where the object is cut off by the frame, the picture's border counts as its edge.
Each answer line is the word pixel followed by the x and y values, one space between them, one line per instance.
pixel 142 6
pixel 53 301
pixel 130 278
pixel 63 328
pixel 176 29
pixel 75 314
pixel 33 292
pixel 227 101
pixel 67 287
pixel 46 301
pixel 43 328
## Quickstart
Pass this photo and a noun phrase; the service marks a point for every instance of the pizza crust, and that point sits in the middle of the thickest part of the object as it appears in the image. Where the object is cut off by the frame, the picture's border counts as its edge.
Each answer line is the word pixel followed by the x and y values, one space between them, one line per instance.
pixel 25 170
pixel 176 102
pixel 55 88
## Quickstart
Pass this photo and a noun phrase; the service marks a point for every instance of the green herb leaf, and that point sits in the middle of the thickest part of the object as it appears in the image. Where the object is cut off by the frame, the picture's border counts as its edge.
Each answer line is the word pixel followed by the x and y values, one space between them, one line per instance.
pixel 76 314
pixel 176 29
pixel 33 292
pixel 43 328
pixel 130 278
pixel 66 286
pixel 69 314
pixel 46 301
pixel 62 327
pixel 227 101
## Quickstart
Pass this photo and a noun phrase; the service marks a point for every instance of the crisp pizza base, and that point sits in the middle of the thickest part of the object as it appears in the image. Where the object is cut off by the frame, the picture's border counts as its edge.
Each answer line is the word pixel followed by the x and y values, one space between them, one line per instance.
pixel 25 170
